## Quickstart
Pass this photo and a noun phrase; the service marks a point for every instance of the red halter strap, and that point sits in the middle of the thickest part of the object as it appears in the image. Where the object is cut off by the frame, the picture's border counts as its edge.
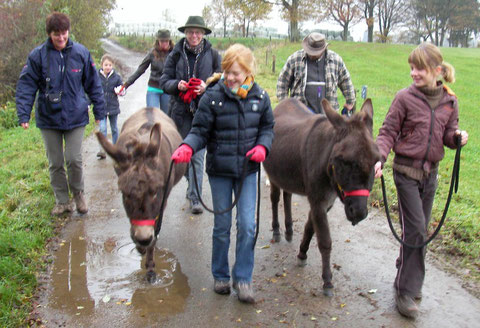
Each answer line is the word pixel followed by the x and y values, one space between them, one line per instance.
pixel 143 222
pixel 358 192
pixel 352 193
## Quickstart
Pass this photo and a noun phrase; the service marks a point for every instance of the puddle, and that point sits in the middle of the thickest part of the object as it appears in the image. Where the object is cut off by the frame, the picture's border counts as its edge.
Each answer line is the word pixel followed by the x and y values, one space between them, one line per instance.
pixel 92 272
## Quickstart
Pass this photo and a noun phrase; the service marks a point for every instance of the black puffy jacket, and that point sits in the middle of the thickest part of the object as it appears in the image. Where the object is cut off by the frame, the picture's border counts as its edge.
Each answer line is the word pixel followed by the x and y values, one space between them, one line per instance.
pixel 176 69
pixel 109 83
pixel 230 126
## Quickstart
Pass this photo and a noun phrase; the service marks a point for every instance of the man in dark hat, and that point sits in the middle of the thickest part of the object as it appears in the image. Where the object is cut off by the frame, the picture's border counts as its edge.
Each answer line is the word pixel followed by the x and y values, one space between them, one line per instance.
pixel 314 73
pixel 187 68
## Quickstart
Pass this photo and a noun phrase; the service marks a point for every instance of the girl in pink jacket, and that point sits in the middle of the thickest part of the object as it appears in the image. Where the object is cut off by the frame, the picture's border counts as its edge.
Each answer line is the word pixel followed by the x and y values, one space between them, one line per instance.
pixel 422 119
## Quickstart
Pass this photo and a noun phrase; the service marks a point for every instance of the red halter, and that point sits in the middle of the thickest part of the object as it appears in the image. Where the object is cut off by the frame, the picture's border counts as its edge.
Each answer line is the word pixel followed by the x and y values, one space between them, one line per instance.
pixel 352 193
pixel 143 222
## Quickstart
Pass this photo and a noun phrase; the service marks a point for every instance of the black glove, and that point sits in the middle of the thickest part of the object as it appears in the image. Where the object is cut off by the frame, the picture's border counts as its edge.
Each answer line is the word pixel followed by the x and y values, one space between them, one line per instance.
pixel 347 112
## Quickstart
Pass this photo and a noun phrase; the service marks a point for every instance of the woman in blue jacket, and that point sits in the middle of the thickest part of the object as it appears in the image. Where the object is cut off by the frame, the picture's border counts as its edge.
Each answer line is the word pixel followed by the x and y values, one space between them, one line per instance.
pixel 63 73
pixel 234 120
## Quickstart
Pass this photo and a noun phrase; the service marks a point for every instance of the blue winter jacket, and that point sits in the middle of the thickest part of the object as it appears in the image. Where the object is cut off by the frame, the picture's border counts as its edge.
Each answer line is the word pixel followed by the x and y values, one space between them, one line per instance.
pixel 230 127
pixel 109 83
pixel 80 79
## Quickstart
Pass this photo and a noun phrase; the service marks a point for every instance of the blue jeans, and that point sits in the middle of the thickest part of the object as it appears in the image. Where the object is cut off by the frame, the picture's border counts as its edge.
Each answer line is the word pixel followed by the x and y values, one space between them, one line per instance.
pixel 159 100
pixel 198 158
pixel 222 188
pixel 113 127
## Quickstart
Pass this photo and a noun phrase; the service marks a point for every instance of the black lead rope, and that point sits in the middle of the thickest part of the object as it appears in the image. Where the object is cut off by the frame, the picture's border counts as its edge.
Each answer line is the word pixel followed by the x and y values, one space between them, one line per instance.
pixel 453 185
pixel 237 197
pixel 158 222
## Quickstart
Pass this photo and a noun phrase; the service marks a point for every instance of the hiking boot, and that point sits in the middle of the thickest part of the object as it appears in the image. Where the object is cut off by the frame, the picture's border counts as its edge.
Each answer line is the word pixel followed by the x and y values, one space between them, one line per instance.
pixel 221 287
pixel 195 207
pixel 244 292
pixel 60 209
pixel 80 202
pixel 406 306
pixel 101 155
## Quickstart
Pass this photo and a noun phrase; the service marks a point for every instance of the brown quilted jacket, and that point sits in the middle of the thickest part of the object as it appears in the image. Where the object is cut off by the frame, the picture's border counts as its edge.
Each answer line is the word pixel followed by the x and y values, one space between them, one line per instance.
pixel 416 132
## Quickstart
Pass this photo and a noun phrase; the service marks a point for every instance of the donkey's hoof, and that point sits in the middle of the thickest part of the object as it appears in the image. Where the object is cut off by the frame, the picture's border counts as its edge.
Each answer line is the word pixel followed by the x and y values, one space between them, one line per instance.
pixel 276 237
pixel 151 276
pixel 328 291
pixel 288 236
pixel 301 262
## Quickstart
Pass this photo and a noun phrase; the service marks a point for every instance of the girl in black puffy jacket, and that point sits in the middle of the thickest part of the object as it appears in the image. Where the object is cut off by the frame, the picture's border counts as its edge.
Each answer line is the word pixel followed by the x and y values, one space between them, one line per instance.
pixel 111 82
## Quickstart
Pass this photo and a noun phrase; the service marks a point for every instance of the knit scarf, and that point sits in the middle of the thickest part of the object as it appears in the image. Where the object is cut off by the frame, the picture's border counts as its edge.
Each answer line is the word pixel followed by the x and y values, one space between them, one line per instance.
pixel 195 50
pixel 243 90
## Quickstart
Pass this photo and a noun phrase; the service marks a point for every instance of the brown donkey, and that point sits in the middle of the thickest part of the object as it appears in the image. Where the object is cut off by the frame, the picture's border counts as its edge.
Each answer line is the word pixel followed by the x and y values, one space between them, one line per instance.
pixel 142 161
pixel 321 157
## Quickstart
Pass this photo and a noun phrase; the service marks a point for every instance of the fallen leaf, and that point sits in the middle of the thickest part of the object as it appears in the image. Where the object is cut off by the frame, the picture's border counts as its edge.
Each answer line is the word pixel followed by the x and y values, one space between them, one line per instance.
pixel 106 299
pixel 334 318
pixel 372 291
pixel 273 280
pixel 342 305
pixel 83 264
pixel 239 320
pixel 347 241
pixel 265 246
pixel 81 238
pixel 204 289
pixel 313 318
pixel 80 307
pixel 258 311
pixel 78 313
pixel 128 303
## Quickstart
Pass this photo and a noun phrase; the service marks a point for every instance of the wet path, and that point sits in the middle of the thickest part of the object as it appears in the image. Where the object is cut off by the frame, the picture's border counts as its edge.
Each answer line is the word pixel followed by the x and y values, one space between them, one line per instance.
pixel 97 278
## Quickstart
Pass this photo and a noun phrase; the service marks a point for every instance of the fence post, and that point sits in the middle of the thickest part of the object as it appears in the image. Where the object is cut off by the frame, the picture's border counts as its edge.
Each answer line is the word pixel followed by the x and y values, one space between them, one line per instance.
pixel 273 63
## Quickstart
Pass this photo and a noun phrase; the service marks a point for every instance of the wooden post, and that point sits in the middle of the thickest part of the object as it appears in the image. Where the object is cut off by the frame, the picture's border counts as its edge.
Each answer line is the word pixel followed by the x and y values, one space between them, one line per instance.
pixel 273 63
pixel 266 57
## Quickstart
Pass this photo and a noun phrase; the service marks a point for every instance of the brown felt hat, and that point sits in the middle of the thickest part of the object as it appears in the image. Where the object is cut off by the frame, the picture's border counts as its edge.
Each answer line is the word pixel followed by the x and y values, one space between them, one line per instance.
pixel 195 22
pixel 163 35
pixel 314 44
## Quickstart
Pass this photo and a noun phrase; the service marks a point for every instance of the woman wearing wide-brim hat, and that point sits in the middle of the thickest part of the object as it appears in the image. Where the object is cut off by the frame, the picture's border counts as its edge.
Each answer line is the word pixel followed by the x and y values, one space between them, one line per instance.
pixel 156 97
pixel 188 66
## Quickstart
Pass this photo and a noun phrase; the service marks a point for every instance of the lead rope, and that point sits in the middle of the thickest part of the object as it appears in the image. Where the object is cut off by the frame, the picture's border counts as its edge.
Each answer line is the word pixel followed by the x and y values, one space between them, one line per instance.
pixel 453 185
pixel 158 222
pixel 240 187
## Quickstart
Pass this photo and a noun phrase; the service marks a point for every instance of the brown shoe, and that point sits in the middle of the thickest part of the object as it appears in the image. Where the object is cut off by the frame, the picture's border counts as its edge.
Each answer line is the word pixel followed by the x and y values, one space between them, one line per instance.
pixel 406 306
pixel 244 292
pixel 80 202
pixel 101 155
pixel 62 208
pixel 221 287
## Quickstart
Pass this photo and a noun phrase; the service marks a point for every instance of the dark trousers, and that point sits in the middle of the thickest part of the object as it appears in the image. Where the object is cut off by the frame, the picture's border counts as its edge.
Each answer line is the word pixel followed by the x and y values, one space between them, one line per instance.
pixel 415 200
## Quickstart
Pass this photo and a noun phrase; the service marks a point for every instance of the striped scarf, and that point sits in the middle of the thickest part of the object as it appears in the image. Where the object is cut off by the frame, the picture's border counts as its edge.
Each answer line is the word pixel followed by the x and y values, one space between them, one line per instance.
pixel 243 90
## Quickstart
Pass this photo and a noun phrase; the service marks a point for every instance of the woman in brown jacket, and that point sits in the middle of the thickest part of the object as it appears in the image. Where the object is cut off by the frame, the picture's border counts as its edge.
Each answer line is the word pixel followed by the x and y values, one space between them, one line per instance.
pixel 421 120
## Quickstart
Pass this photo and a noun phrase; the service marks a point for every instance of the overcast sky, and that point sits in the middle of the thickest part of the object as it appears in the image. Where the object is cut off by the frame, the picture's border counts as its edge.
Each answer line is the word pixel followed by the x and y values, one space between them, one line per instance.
pixel 132 11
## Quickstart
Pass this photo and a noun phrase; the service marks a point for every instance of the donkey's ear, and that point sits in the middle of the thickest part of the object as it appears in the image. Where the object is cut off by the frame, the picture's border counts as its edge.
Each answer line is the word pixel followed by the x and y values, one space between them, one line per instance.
pixel 155 140
pixel 335 118
pixel 367 111
pixel 116 154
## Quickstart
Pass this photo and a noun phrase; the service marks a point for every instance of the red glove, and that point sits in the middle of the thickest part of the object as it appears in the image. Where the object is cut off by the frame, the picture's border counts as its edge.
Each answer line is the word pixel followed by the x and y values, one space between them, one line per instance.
pixel 182 154
pixel 190 94
pixel 258 153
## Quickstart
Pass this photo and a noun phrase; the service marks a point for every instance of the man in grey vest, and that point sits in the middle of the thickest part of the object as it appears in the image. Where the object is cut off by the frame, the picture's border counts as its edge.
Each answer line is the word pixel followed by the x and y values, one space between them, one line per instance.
pixel 314 73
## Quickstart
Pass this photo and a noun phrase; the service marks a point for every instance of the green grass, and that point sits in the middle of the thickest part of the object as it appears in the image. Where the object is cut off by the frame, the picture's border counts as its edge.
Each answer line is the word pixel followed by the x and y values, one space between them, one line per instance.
pixel 26 197
pixel 26 200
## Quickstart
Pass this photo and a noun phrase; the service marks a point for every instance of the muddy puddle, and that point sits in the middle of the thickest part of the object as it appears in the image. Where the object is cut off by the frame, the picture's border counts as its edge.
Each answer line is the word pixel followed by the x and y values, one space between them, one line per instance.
pixel 93 272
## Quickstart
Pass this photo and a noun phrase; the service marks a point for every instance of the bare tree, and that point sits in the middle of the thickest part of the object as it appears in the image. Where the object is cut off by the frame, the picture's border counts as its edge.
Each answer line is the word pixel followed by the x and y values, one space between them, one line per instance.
pixel 222 12
pixel 435 15
pixel 295 12
pixel 344 12
pixel 249 11
pixel 390 14
pixel 368 8
pixel 208 17
pixel 463 22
